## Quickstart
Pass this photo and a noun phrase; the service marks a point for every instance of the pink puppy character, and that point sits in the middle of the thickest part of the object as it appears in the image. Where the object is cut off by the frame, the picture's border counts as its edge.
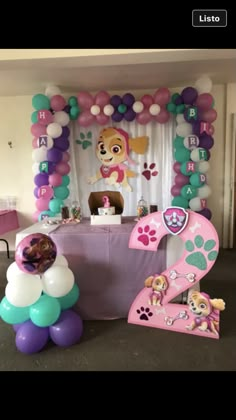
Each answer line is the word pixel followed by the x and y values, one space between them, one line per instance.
pixel 159 285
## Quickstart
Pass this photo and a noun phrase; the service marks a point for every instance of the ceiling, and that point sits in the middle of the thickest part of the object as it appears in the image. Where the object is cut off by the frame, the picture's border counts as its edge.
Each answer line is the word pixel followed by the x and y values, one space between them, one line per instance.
pixel 27 77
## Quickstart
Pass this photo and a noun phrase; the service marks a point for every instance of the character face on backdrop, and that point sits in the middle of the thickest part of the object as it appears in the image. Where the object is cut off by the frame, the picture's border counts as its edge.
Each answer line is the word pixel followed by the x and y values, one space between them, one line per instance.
pixel 111 147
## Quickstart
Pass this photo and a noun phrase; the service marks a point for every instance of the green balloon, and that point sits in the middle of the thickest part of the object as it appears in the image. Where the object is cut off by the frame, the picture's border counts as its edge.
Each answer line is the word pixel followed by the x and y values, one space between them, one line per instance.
pixel 174 97
pixel 55 205
pixel 61 192
pixel 188 192
pixel 70 299
pixel 72 101
pixel 40 101
pixel 180 202
pixel 13 314
pixel 74 112
pixel 171 107
pixel 182 154
pixel 197 179
pixel 44 213
pixel 122 108
pixel 180 109
pixel 213 104
pixel 178 142
pixel 65 180
pixel 188 168
pixel 34 117
pixel 45 311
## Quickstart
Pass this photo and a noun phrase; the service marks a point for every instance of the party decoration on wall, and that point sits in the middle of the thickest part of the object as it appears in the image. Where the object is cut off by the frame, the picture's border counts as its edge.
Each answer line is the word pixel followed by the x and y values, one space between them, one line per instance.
pixel 201 315
pixel 39 296
pixel 149 170
pixel 112 149
pixel 195 113
pixel 85 140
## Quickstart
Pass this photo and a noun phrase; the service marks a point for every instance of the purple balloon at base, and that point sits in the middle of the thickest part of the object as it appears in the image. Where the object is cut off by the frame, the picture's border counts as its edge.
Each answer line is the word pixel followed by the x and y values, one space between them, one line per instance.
pixel 30 338
pixel 67 330
pixel 206 213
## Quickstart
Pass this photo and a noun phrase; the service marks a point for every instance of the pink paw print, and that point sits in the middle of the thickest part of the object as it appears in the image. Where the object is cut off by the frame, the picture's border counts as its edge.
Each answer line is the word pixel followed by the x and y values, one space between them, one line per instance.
pixel 148 171
pixel 146 235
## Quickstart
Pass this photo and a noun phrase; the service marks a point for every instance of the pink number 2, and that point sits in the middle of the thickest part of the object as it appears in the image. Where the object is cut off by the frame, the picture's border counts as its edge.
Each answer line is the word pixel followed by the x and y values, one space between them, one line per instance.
pixel 201 245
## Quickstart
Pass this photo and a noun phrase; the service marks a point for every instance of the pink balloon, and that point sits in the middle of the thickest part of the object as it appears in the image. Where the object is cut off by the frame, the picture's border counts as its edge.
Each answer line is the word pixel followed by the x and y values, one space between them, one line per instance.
pixel 38 130
pixel 204 101
pixel 65 157
pixel 176 167
pixel 85 100
pixel 55 180
pixel 102 119
pixel 42 204
pixel 57 103
pixel 63 168
pixel 34 143
pixel 162 96
pixel 85 119
pixel 147 101
pixel 46 192
pixel 35 216
pixel 144 117
pixel 211 130
pixel 181 180
pixel 163 116
pixel 45 117
pixel 175 190
pixel 102 98
pixel 209 116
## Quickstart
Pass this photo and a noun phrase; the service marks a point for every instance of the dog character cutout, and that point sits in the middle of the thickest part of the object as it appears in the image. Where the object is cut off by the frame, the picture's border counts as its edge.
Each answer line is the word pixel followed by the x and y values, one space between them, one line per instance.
pixel 159 285
pixel 204 308
pixel 112 149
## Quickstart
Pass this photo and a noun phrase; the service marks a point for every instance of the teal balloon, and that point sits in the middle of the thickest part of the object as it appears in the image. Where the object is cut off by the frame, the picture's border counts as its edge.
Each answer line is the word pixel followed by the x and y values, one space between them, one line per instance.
pixel 13 314
pixel 174 97
pixel 74 112
pixel 45 213
pixel 180 202
pixel 55 205
pixel 73 101
pixel 180 109
pixel 65 181
pixel 34 117
pixel 40 101
pixel 171 107
pixel 61 192
pixel 188 192
pixel 178 142
pixel 188 168
pixel 122 108
pixel 70 299
pixel 197 179
pixel 45 311
pixel 182 154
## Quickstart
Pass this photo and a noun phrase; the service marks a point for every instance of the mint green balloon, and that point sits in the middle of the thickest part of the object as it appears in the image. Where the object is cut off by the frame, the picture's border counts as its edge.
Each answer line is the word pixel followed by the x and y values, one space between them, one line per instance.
pixel 45 311
pixel 55 205
pixel 61 192
pixel 122 108
pixel 197 179
pixel 180 202
pixel 188 192
pixel 182 154
pixel 40 101
pixel 34 117
pixel 70 299
pixel 74 112
pixel 72 101
pixel 171 107
pixel 180 109
pixel 188 168
pixel 13 314
pixel 65 180
pixel 178 142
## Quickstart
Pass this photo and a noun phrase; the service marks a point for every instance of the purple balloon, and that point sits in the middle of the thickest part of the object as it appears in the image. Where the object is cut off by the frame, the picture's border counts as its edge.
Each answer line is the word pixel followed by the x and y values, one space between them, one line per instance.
pixel 67 330
pixel 41 179
pixel 128 99
pixel 176 167
pixel 117 117
pixel 54 155
pixel 181 180
pixel 189 95
pixel 17 326
pixel 115 101
pixel 208 154
pixel 178 100
pixel 206 213
pixel 196 128
pixel 36 190
pixel 67 109
pixel 65 132
pixel 30 338
pixel 175 190
pixel 206 141
pixel 61 144
pixel 130 115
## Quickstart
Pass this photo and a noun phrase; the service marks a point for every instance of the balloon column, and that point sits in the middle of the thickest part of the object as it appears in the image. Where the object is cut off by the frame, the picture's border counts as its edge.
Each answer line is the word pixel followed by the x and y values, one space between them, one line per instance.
pixel 195 113
pixel 39 295
pixel 50 150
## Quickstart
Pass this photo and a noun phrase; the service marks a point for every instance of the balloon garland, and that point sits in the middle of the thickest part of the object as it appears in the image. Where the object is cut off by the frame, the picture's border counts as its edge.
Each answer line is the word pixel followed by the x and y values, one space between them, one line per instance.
pixel 39 295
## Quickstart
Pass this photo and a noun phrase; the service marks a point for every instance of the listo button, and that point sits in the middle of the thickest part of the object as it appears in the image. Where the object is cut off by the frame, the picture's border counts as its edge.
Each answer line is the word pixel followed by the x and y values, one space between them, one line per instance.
pixel 216 18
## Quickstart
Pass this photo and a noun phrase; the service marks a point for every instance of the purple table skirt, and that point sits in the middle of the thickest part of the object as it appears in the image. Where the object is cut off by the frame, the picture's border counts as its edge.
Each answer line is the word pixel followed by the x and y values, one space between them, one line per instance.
pixel 108 273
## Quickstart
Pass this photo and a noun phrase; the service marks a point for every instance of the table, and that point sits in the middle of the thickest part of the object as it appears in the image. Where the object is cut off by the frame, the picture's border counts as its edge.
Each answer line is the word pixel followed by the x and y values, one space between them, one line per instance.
pixel 8 221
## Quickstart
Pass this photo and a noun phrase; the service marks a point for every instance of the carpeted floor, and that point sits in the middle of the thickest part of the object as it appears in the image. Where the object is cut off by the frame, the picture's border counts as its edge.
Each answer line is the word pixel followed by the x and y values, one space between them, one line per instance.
pixel 118 346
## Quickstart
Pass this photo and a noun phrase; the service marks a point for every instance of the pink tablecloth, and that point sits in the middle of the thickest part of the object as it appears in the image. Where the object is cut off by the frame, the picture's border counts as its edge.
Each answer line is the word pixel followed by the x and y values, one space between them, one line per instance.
pixel 8 221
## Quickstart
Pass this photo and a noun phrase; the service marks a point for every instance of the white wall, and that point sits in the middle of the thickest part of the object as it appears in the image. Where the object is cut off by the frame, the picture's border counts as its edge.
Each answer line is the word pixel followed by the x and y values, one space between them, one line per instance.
pixel 16 163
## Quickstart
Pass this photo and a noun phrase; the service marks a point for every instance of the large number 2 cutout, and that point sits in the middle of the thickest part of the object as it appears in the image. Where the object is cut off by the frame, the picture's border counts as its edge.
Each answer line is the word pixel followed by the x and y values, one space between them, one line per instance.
pixel 151 307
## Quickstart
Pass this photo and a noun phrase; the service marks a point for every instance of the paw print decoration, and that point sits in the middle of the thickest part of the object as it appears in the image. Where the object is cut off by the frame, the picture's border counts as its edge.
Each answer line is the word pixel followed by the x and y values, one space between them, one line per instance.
pixel 148 171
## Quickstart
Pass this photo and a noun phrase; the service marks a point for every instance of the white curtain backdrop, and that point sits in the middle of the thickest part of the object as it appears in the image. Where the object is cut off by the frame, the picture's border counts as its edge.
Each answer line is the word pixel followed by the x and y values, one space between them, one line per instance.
pixel 85 164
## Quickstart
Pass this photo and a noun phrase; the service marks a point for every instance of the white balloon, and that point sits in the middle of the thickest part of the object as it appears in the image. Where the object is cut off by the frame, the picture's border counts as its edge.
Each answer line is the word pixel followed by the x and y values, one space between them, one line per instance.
pixel 195 204
pixel 184 129
pixel 12 271
pixel 61 118
pixel 39 155
pixel 61 260
pixel 203 166
pixel 138 106
pixel 35 168
pixel 45 141
pixel 54 130
pixel 204 192
pixel 154 109
pixel 191 142
pixel 108 110
pixel 198 154
pixel 203 84
pixel 52 90
pixel 24 290
pixel 57 281
pixel 95 110
pixel 180 119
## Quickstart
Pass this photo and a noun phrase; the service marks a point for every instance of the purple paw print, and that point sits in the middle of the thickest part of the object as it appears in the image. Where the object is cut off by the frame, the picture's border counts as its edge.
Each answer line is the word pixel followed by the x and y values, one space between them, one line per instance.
pixel 146 235
pixel 148 171
pixel 145 314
